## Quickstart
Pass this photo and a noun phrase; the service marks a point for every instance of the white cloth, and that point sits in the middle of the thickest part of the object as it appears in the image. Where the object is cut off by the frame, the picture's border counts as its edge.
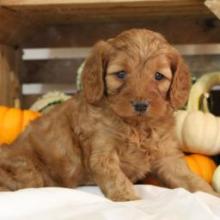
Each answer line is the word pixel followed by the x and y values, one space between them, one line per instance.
pixel 88 203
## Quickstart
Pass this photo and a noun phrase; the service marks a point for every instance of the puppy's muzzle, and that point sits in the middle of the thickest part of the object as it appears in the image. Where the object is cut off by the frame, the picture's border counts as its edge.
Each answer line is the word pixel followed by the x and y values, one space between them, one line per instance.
pixel 140 106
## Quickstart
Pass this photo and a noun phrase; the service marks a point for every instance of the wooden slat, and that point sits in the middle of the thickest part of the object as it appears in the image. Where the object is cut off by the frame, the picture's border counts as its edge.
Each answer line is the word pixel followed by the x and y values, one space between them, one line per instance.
pixel 159 3
pixel 51 16
pixel 214 6
pixel 15 27
pixel 39 88
pixel 22 18
pixel 180 30
pixel 34 54
pixel 48 12
pixel 56 53
pixel 10 61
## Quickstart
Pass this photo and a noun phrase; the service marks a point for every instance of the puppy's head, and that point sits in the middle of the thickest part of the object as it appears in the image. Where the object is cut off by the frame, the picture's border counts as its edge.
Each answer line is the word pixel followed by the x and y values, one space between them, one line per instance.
pixel 138 74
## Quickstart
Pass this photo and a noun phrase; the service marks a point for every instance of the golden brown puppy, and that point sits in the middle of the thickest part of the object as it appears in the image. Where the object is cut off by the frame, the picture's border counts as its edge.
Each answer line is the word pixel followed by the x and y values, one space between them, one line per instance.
pixel 119 129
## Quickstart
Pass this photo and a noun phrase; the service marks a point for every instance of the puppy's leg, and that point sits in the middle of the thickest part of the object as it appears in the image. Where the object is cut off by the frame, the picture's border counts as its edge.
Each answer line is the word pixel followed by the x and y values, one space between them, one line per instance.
pixel 17 171
pixel 174 172
pixel 105 169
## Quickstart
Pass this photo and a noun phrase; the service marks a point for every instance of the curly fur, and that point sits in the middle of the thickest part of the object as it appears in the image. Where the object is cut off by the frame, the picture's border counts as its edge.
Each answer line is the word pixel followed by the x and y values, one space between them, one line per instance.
pixel 97 137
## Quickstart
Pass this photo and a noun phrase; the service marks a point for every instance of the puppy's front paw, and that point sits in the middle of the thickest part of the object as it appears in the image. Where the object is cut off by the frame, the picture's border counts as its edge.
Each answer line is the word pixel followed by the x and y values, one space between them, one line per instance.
pixel 122 197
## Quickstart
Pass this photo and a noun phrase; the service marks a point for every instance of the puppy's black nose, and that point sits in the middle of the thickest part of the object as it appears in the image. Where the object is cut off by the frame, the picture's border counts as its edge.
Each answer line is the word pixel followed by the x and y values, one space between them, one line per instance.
pixel 140 106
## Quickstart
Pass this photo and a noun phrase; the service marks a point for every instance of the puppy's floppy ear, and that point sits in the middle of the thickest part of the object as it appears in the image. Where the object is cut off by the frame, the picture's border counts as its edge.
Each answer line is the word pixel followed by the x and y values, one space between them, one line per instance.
pixel 94 72
pixel 181 83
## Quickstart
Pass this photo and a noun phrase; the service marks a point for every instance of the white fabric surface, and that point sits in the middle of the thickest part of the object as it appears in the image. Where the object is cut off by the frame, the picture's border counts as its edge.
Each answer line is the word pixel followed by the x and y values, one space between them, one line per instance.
pixel 88 203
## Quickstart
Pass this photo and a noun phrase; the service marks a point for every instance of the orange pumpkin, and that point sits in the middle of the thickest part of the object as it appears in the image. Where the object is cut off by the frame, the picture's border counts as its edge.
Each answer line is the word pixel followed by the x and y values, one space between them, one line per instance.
pixel 201 165
pixel 13 121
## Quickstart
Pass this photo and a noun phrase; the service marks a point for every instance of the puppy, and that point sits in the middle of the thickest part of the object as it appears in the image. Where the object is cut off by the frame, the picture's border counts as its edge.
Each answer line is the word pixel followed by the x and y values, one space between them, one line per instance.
pixel 117 130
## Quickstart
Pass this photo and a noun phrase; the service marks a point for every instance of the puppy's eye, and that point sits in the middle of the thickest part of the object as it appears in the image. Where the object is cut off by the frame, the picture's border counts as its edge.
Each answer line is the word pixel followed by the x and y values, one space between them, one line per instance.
pixel 121 74
pixel 159 76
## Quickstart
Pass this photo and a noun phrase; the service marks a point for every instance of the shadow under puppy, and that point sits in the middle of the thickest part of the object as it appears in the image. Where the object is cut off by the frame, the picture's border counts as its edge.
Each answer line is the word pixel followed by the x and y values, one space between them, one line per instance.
pixel 114 132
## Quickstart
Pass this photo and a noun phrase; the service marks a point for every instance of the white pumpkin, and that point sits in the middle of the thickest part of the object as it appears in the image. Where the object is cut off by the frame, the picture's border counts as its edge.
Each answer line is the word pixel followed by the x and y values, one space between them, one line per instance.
pixel 216 179
pixel 198 132
pixel 200 91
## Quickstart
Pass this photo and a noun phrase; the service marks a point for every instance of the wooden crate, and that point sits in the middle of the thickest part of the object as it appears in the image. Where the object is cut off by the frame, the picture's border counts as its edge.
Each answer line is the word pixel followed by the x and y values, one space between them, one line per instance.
pixel 68 28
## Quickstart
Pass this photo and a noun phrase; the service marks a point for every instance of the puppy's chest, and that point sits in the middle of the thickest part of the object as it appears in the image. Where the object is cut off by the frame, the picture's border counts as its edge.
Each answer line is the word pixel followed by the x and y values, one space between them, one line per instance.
pixel 137 154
